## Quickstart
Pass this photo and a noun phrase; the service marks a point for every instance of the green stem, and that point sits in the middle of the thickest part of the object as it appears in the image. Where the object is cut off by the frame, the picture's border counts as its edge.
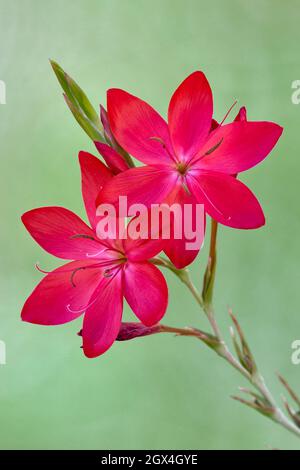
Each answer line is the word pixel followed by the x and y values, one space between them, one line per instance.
pixel 220 346
pixel 182 274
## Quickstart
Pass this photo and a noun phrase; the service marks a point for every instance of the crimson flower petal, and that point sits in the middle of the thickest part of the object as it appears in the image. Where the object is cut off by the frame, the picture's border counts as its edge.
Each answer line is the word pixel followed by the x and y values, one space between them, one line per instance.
pixel 61 232
pixel 190 115
pixel 94 175
pixel 144 185
pixel 146 291
pixel 226 200
pixel 178 249
pixel 112 158
pixel 102 321
pixel 62 295
pixel 239 146
pixel 138 128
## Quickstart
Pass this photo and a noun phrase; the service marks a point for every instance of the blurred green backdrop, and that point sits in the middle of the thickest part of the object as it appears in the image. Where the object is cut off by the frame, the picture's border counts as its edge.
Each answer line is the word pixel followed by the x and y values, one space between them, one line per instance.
pixel 160 392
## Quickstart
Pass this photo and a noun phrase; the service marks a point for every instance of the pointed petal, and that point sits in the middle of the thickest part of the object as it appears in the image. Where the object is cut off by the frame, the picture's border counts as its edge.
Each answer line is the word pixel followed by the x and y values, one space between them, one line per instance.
pixel 240 146
pixel 61 297
pixel 241 115
pixel 144 185
pixel 227 200
pixel 138 128
pixel 181 250
pixel 146 292
pixel 190 115
pixel 94 175
pixel 113 159
pixel 102 320
pixel 61 232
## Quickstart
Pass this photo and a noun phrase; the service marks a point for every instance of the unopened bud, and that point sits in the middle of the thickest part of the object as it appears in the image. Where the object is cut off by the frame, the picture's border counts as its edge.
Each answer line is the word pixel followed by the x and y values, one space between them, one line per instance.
pixel 243 351
pixel 133 330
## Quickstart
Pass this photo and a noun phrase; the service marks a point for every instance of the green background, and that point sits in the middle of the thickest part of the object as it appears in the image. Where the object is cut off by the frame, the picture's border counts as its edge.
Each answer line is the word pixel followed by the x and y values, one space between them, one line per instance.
pixel 158 392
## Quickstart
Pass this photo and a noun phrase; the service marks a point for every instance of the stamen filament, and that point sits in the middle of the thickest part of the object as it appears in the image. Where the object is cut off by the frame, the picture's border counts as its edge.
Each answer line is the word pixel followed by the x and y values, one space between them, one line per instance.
pixel 160 141
pixel 85 307
pixel 213 205
pixel 208 152
pixel 89 237
pixel 93 266
pixel 228 112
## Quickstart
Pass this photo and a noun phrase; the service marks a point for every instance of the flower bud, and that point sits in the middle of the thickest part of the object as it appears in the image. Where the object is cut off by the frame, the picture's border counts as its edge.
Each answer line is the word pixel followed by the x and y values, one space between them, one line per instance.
pixel 79 104
pixel 243 351
pixel 133 330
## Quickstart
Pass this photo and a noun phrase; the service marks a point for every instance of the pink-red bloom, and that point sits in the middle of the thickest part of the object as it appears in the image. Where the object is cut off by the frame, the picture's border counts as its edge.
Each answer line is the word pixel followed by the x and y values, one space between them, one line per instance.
pixel 100 274
pixel 190 159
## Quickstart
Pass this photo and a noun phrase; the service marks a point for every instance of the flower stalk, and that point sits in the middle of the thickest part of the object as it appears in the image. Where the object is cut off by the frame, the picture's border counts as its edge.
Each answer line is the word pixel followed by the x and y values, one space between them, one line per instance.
pixel 209 276
pixel 261 400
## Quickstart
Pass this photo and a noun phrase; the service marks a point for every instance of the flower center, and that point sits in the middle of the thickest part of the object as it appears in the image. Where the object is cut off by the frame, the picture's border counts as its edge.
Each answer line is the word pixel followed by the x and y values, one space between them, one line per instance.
pixel 182 168
pixel 114 267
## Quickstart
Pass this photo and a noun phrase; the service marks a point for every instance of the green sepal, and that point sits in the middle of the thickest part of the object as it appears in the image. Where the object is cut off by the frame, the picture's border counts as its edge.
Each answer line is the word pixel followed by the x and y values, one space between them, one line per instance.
pixel 79 104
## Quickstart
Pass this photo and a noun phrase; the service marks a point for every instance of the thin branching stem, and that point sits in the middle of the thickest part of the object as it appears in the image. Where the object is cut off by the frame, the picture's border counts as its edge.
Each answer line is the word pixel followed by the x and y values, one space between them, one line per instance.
pixel 264 402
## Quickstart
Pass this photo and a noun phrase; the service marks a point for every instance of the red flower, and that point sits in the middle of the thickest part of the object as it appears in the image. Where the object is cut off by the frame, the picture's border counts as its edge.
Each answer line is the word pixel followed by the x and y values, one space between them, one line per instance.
pixel 101 274
pixel 185 160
